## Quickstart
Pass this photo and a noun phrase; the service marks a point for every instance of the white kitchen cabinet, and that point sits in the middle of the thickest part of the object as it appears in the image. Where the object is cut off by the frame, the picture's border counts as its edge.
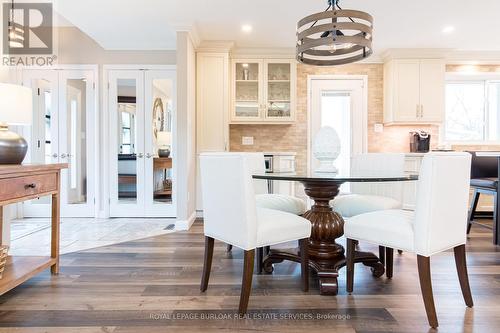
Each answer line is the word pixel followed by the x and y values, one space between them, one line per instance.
pixel 212 107
pixel 263 91
pixel 414 91
pixel 212 102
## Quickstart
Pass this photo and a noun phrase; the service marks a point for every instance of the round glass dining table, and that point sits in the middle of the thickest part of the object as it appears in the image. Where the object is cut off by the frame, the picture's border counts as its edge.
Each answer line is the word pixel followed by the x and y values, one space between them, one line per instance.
pixel 326 256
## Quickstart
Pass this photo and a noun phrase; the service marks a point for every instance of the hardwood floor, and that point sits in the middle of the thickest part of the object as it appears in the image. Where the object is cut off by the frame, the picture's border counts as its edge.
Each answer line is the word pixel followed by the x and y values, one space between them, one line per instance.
pixel 153 285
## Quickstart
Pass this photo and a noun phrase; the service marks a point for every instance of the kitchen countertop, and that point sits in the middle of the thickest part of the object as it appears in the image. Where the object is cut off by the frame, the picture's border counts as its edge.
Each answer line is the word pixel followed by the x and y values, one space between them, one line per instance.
pixel 282 153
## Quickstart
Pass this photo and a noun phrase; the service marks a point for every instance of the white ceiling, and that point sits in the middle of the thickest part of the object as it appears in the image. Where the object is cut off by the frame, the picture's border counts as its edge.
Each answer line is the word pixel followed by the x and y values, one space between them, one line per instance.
pixel 151 24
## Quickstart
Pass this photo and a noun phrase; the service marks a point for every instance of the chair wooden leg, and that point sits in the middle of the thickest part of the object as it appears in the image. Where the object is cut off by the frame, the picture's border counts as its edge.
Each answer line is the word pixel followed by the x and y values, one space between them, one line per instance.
pixel 463 277
pixel 304 263
pixel 207 263
pixel 246 285
pixel 381 254
pixel 389 259
pixel 496 217
pixel 229 248
pixel 351 247
pixel 424 273
pixel 260 259
pixel 472 210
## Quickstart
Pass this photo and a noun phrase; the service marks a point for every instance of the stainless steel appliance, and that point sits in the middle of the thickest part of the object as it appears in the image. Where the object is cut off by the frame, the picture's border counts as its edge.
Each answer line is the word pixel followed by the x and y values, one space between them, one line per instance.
pixel 420 142
pixel 269 163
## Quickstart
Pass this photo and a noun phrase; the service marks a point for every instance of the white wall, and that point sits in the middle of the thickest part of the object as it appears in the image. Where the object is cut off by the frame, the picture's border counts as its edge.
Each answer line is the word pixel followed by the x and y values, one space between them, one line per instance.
pixel 186 128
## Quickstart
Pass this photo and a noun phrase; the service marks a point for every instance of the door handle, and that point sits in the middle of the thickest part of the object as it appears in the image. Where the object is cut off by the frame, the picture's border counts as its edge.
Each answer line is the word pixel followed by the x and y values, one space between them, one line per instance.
pixel 148 155
pixel 140 155
pixel 63 155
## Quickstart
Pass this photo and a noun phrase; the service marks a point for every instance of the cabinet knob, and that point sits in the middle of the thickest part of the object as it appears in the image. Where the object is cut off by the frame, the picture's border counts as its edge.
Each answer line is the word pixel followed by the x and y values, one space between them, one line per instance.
pixel 63 155
pixel 140 155
pixel 148 155
pixel 30 186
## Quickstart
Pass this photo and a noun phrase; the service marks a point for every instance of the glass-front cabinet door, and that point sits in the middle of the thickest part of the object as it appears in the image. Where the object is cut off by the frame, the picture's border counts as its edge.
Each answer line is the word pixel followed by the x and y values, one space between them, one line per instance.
pixel 280 90
pixel 263 90
pixel 247 90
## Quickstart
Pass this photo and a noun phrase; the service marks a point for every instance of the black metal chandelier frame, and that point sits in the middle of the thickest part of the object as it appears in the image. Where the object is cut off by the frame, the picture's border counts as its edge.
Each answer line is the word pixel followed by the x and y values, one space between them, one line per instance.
pixel 334 36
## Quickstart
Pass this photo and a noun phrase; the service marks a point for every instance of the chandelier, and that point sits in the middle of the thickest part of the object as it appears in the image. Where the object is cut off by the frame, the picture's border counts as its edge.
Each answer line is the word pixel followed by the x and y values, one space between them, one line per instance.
pixel 334 37
pixel 15 30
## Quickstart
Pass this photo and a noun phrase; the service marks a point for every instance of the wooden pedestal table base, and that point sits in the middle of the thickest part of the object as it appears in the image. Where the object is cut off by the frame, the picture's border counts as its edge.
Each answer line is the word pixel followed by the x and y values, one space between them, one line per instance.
pixel 326 257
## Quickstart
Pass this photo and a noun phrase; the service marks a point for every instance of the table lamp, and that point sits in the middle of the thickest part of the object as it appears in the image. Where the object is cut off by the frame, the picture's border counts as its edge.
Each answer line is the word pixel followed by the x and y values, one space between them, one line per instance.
pixel 164 140
pixel 16 108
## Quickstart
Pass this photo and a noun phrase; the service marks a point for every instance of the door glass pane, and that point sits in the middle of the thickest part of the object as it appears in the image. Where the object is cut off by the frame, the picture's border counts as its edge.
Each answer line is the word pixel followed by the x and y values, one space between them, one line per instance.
pixel 44 127
pixel 336 113
pixel 127 140
pixel 278 90
pixel 162 140
pixel 247 90
pixel 76 140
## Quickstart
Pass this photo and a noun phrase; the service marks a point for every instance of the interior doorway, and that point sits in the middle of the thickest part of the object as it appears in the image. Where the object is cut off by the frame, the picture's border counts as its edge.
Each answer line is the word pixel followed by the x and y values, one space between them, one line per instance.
pixel 339 102
pixel 64 130
pixel 142 146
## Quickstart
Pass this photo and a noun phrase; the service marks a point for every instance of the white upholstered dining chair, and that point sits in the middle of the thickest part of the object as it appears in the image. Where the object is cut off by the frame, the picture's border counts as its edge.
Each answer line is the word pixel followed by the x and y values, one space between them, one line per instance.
pixel 439 223
pixel 231 215
pixel 264 199
pixel 370 197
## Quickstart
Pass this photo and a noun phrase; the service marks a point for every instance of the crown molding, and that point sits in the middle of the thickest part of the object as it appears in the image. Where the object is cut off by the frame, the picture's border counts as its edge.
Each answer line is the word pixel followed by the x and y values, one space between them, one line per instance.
pixel 215 46
pixel 451 56
pixel 415 53
pixel 266 52
pixel 461 57
pixel 192 31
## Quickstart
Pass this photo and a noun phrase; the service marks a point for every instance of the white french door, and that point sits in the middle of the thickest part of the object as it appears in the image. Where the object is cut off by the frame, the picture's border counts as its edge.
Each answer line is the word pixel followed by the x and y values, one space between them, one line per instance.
pixel 64 132
pixel 341 104
pixel 141 104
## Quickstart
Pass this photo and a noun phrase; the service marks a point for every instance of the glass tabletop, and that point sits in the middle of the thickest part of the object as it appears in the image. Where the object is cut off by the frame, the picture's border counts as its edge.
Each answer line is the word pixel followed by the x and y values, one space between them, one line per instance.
pixel 340 177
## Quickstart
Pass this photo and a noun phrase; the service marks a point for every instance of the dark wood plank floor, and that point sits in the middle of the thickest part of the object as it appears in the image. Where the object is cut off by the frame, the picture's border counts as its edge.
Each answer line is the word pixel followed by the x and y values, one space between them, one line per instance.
pixel 152 285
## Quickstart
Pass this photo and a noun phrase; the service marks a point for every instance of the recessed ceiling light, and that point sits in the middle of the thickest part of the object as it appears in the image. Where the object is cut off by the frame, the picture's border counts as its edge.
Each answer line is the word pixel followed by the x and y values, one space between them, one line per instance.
pixel 246 28
pixel 448 29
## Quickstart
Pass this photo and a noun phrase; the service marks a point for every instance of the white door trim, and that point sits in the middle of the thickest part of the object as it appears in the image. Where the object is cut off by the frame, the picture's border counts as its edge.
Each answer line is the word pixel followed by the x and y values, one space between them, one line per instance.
pixel 310 79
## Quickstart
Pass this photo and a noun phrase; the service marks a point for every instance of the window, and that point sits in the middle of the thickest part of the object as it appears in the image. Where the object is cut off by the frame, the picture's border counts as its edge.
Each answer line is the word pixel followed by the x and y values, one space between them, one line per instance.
pixel 472 110
pixel 126 133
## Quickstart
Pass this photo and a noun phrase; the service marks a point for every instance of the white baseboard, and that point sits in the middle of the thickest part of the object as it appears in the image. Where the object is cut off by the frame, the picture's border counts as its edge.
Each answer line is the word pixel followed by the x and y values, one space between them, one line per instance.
pixel 185 224
pixel 199 214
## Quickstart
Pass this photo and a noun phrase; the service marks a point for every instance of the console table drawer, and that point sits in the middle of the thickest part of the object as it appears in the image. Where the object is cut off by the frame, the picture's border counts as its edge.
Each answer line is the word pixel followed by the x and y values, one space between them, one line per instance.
pixel 27 186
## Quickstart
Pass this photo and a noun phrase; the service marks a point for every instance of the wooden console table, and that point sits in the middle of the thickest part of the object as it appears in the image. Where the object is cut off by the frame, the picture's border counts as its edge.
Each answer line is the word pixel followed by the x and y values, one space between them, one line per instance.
pixel 21 183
